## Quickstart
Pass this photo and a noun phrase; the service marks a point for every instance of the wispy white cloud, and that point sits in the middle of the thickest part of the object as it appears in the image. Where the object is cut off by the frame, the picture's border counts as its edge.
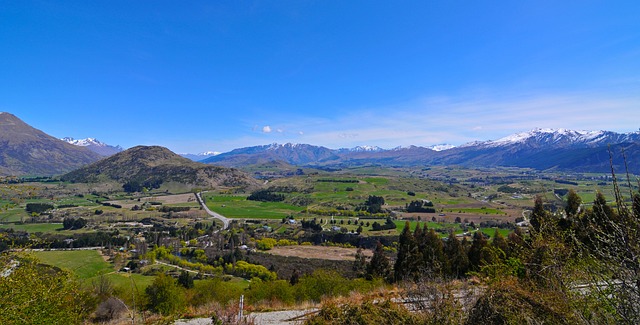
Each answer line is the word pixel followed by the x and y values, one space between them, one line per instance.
pixel 435 120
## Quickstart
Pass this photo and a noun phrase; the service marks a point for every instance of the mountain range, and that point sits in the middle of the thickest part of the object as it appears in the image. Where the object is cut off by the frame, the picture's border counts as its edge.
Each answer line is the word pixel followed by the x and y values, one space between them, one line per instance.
pixel 543 149
pixel 25 150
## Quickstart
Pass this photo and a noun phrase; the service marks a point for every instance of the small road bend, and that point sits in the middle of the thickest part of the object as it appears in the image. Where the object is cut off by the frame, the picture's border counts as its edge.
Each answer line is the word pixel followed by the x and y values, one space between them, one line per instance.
pixel 225 221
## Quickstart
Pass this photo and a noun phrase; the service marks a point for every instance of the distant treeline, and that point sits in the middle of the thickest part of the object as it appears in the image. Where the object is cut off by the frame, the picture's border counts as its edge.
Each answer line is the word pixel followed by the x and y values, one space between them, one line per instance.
pixel 265 196
pixel 174 209
pixel 560 181
pixel 421 206
pixel 38 207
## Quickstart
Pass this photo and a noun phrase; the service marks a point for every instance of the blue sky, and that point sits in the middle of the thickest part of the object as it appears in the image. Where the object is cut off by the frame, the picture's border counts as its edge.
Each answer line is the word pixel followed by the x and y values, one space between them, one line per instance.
pixel 217 75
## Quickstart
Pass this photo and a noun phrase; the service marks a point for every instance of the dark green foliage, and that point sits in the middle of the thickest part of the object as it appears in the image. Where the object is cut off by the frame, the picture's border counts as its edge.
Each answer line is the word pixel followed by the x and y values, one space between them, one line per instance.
pixel 389 224
pixel 38 207
pixel 266 196
pixel 409 258
pixel 432 250
pixel 457 260
pixel 312 224
pixel 476 254
pixel 165 208
pixel 420 206
pixel 185 280
pixel 379 266
pixel 538 215
pixel 73 223
pixel 373 204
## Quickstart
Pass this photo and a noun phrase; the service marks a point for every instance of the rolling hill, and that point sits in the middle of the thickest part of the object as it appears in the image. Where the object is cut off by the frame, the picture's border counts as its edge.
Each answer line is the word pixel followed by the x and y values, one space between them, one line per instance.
pixel 151 166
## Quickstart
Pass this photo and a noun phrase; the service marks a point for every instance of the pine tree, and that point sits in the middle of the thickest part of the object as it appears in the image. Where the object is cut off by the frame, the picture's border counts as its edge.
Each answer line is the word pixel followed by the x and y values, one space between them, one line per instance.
pixel 458 262
pixel 475 251
pixel 379 266
pixel 538 215
pixel 433 253
pixel 409 257
pixel 573 203
pixel 500 242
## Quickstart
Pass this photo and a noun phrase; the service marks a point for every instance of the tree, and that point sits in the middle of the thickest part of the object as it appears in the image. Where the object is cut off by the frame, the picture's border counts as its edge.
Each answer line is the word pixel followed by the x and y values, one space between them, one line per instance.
pixel 476 251
pixel 185 280
pixel 164 296
pixel 458 262
pixel 409 257
pixel 573 204
pixel 538 215
pixel 433 253
pixel 379 266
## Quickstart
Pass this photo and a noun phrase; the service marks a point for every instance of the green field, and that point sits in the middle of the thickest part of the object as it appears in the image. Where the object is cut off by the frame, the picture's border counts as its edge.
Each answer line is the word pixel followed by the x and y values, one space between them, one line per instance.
pixel 88 264
pixel 240 207
pixel 84 263
pixel 34 227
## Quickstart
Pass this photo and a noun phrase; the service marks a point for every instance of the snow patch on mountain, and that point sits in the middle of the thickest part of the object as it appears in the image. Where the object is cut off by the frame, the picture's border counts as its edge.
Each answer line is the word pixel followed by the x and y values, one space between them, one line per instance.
pixel 441 147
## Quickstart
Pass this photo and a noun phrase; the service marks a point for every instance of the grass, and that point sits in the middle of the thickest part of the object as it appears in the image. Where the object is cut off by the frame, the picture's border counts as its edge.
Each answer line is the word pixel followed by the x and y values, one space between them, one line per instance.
pixel 240 207
pixel 34 227
pixel 88 264
pixel 84 263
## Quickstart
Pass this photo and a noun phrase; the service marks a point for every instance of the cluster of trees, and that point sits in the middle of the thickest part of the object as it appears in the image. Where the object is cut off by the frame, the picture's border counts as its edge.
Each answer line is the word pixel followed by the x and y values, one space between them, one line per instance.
pixel 165 208
pixel 311 224
pixel 373 204
pixel 38 207
pixel 266 196
pixel 141 186
pixel 388 225
pixel 578 265
pixel 73 223
pixel 420 206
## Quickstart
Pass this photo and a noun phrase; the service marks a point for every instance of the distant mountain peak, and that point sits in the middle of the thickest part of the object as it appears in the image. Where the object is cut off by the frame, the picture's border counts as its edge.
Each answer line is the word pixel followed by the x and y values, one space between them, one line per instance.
pixel 441 147
pixel 94 145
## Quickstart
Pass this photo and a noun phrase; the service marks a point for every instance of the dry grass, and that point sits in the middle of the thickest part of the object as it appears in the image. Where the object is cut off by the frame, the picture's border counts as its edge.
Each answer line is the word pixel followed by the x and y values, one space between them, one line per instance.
pixel 319 252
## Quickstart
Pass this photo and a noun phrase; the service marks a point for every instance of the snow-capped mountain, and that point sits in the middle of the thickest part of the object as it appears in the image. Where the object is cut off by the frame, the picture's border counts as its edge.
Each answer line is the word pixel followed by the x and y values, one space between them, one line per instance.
pixel 560 149
pixel 564 138
pixel 94 145
pixel 441 147
pixel 200 156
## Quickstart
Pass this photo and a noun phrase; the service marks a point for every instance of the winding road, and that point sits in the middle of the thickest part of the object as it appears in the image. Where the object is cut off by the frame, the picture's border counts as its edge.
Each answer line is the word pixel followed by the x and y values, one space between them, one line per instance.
pixel 225 221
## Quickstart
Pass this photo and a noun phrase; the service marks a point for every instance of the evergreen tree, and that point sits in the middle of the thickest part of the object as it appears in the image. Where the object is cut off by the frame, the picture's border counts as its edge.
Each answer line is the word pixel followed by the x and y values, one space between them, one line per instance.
pixel 500 242
pixel 433 253
pixel 379 266
pixel 409 257
pixel 360 263
pixel 457 260
pixel 185 280
pixel 573 203
pixel 475 251
pixel 538 215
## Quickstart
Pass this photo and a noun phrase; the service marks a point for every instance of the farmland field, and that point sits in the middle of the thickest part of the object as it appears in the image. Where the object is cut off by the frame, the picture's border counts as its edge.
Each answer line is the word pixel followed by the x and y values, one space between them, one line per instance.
pixel 240 207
